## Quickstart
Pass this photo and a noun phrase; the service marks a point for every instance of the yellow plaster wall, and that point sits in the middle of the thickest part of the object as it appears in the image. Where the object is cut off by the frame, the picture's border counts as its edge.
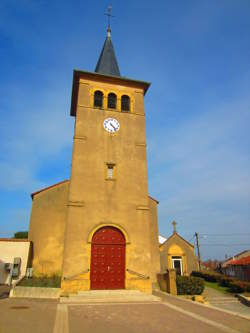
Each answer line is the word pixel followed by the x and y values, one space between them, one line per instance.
pixel 46 231
pixel 93 200
pixel 154 240
pixel 176 246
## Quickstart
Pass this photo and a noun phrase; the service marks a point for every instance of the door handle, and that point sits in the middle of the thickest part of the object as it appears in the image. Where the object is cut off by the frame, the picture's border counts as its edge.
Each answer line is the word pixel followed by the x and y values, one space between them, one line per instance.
pixel 108 268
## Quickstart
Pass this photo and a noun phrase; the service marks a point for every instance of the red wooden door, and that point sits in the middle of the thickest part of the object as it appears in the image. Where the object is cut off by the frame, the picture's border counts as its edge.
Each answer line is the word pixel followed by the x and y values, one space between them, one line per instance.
pixel 107 269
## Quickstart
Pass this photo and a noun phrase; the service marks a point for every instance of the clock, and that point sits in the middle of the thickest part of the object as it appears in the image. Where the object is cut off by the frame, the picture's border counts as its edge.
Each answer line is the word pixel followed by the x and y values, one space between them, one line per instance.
pixel 111 125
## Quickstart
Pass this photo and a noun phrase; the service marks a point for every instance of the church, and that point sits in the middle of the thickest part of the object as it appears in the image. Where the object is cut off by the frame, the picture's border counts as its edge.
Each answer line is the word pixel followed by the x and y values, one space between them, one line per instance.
pixel 99 229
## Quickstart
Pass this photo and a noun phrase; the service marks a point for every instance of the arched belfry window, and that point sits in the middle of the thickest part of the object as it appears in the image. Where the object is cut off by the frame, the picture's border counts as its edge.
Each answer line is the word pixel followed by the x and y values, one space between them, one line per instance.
pixel 98 99
pixel 112 99
pixel 125 103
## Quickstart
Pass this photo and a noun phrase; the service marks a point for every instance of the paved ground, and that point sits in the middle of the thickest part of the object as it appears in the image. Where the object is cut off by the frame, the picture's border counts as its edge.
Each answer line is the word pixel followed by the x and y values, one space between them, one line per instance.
pixel 234 322
pixel 25 315
pixel 174 315
pixel 225 301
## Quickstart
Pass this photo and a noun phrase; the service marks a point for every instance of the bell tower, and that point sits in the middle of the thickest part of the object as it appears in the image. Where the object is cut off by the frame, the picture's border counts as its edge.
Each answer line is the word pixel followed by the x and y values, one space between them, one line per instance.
pixel 111 234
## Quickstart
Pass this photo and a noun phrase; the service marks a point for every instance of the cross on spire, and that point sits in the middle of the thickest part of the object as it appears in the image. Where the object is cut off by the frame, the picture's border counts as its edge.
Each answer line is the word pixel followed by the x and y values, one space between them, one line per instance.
pixel 107 63
pixel 174 226
pixel 109 16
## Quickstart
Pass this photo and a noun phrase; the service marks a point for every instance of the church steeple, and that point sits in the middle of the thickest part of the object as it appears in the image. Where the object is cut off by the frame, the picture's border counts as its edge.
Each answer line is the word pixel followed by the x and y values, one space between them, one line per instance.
pixel 107 63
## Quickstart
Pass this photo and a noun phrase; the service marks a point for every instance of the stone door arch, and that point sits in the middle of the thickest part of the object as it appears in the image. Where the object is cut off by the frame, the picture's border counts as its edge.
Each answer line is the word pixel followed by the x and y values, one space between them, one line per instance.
pixel 107 269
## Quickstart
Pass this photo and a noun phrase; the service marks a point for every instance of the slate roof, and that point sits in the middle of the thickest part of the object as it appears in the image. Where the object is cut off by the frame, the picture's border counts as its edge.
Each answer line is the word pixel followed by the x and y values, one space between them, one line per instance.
pixel 107 63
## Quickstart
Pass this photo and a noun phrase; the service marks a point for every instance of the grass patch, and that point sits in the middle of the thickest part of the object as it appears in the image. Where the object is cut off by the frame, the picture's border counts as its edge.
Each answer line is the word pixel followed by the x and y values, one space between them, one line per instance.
pixel 44 281
pixel 217 287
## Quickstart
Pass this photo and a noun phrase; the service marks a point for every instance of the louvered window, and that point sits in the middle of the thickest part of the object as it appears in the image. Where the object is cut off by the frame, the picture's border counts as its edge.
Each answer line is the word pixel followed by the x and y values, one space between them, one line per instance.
pixel 112 101
pixel 110 171
pixel 125 103
pixel 98 99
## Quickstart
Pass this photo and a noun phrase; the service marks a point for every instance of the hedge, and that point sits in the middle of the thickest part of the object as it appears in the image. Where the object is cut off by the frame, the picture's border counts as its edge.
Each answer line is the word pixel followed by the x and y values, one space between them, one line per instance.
pixel 189 285
pixel 208 276
pixel 233 285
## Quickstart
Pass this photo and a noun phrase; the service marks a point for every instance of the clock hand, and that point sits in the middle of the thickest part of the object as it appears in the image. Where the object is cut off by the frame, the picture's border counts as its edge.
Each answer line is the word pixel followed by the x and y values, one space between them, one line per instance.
pixel 113 126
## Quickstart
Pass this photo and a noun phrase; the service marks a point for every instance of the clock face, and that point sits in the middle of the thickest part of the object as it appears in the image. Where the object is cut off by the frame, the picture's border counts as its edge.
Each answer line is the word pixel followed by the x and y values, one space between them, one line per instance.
pixel 111 125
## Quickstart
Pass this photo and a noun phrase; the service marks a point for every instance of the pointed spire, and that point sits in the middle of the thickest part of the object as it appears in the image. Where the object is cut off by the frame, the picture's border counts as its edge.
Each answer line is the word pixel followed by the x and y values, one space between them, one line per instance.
pixel 107 63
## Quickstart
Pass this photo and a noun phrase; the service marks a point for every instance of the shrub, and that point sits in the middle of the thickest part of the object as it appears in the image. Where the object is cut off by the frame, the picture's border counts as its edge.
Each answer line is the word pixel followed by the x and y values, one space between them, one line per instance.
pixel 225 281
pixel 189 285
pixel 238 286
pixel 233 285
pixel 207 276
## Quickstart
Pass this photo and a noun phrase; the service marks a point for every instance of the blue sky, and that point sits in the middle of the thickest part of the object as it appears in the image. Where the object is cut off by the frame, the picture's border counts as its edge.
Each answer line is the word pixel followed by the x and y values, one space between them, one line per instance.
pixel 195 53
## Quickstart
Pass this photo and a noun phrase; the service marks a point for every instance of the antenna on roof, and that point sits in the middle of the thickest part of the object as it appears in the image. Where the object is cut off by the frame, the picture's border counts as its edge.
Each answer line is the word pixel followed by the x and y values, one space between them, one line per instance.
pixel 109 16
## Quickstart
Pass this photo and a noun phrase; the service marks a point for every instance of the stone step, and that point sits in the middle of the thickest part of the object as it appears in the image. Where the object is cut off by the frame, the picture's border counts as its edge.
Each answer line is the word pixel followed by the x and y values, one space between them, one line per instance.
pixel 224 302
pixel 93 293
pixel 222 298
pixel 80 300
pixel 109 296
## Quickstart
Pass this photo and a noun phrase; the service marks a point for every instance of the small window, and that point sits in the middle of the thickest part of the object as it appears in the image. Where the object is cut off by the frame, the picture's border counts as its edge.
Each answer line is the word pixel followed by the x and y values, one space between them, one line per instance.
pixel 98 99
pixel 125 103
pixel 112 101
pixel 177 264
pixel 110 171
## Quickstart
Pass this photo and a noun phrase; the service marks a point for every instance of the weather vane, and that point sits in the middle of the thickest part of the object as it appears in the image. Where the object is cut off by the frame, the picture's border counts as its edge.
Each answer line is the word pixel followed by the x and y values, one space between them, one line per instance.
pixel 109 15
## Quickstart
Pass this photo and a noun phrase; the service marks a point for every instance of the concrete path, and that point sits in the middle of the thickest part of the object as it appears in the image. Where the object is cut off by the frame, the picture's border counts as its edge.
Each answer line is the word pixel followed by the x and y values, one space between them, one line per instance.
pixel 172 315
pixel 214 316
pixel 225 301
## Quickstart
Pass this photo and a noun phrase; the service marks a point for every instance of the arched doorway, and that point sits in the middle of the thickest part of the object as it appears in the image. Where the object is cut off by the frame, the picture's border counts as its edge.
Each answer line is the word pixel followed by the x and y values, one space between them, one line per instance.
pixel 107 270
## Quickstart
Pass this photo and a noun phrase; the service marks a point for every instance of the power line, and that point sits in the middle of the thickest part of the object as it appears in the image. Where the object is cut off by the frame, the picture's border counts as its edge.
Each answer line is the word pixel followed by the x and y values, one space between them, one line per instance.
pixel 198 249
pixel 191 239
pixel 245 234
pixel 247 244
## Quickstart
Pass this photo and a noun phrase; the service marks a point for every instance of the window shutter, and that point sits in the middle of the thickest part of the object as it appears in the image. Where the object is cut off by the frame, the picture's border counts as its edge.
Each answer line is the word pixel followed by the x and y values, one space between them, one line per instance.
pixel 110 171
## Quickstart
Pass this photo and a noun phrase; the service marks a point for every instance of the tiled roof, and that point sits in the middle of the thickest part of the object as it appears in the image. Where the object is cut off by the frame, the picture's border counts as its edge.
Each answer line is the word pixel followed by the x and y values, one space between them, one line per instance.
pixel 242 261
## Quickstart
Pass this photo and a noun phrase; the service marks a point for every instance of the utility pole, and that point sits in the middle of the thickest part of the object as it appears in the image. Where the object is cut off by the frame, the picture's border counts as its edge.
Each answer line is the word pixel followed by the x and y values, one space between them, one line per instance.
pixel 198 249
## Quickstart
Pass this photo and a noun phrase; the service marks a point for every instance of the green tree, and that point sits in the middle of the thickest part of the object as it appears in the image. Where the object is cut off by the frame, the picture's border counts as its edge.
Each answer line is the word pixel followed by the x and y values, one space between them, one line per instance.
pixel 21 234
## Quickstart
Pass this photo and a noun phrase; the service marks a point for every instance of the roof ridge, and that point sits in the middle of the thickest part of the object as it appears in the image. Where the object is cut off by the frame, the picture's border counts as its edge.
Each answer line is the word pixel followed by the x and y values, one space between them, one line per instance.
pixel 48 187
pixel 176 233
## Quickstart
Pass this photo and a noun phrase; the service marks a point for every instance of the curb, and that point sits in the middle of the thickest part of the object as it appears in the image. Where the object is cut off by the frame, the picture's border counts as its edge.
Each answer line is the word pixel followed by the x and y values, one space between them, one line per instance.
pixel 35 292
pixel 243 299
